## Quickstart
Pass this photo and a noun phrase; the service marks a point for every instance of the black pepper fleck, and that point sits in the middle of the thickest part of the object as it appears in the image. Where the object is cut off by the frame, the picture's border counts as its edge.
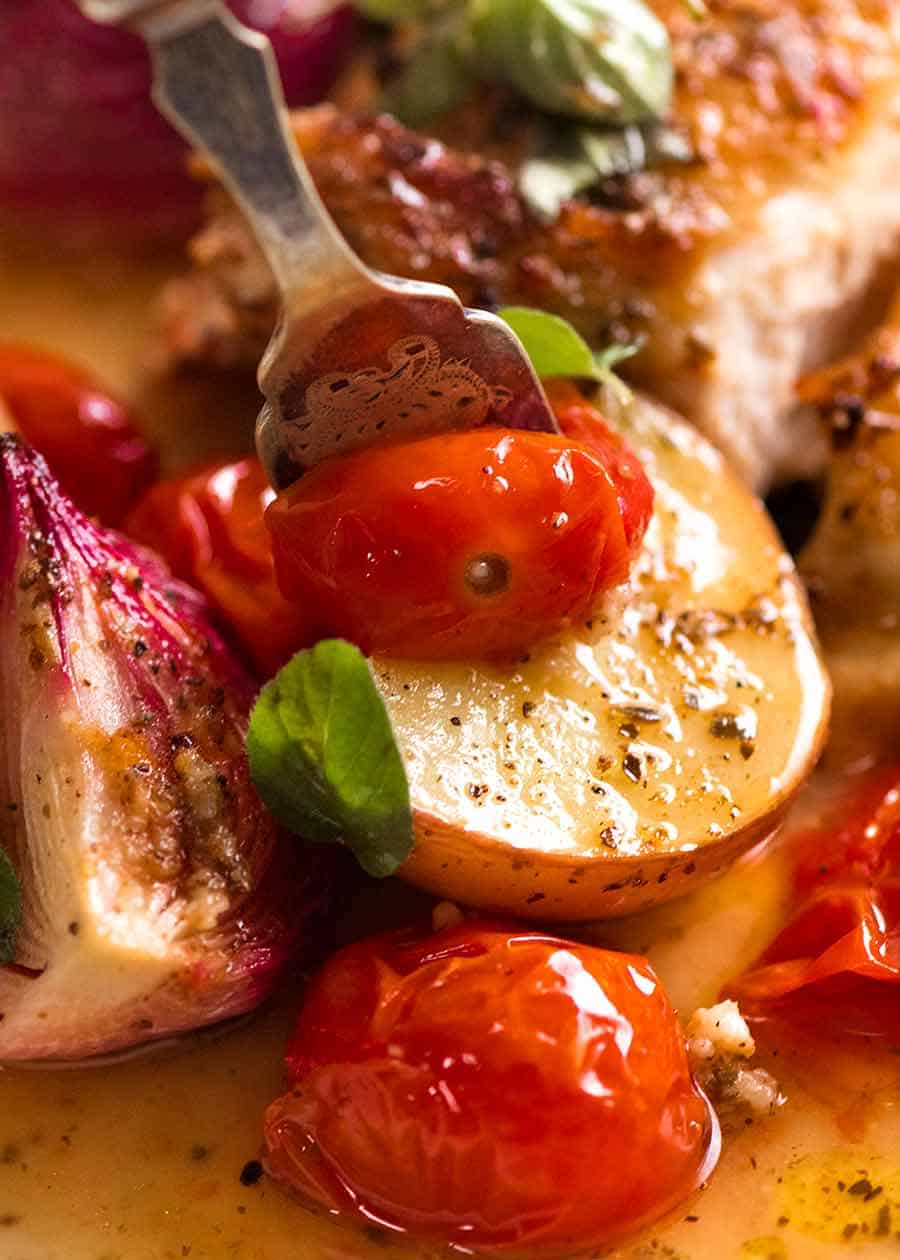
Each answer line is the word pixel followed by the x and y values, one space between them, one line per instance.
pixel 251 1173
pixel 631 765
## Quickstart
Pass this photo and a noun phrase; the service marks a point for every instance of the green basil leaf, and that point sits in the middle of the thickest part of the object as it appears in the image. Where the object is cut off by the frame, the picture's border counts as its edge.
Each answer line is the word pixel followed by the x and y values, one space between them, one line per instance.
pixel 614 152
pixel 552 344
pixel 555 176
pixel 574 158
pixel 557 349
pixel 324 758
pixel 603 60
pixel 10 910
pixel 435 79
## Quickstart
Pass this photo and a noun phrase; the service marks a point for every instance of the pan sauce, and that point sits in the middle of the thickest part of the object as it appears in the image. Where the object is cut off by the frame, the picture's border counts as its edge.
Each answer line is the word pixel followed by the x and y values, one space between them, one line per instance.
pixel 143 1160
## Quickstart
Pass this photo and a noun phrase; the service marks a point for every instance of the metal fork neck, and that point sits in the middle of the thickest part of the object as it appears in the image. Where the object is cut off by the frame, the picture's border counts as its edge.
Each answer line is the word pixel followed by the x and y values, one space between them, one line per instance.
pixel 218 83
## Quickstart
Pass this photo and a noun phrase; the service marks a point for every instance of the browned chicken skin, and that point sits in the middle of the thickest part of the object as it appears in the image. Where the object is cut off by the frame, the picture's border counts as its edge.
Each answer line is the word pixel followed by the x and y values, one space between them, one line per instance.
pixel 852 562
pixel 743 268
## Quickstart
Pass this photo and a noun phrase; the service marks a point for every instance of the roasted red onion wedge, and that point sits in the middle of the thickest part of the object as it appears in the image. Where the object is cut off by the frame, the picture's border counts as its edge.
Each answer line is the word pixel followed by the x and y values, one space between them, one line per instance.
pixel 156 896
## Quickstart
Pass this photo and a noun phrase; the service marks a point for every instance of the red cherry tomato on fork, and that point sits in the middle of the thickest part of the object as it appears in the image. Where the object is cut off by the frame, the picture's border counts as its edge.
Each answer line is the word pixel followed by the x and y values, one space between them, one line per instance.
pixel 464 544
pixel 88 437
pixel 209 527
pixel 501 1090
pixel 581 420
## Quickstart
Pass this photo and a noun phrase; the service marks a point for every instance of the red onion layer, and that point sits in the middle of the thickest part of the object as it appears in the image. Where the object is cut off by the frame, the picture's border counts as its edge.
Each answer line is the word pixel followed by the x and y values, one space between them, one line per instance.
pixel 80 140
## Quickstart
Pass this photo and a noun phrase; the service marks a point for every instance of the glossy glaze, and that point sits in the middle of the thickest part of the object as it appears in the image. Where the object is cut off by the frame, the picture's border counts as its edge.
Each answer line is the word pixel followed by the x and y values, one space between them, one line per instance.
pixel 492 1087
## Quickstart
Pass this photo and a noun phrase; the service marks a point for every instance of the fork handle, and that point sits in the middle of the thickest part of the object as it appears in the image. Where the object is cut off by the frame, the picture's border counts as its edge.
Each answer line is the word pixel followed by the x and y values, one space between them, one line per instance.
pixel 218 82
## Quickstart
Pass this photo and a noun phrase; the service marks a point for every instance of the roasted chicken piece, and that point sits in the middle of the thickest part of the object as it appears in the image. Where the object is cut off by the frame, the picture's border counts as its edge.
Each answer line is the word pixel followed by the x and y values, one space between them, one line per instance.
pixel 743 269
pixel 852 562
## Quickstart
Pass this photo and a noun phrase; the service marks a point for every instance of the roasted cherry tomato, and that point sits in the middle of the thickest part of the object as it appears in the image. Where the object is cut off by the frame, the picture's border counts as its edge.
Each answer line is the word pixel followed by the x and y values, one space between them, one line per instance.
pixel 210 528
pixel 836 964
pixel 496 1089
pixel 469 544
pixel 581 420
pixel 88 437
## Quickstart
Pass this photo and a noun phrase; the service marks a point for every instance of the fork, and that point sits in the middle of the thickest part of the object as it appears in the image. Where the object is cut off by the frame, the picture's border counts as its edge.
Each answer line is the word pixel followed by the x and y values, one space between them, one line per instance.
pixel 357 355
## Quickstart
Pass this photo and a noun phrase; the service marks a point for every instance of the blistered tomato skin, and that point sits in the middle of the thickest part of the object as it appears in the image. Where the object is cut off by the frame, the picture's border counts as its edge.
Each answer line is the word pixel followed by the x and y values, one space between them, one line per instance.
pixel 87 436
pixel 502 1091
pixel 469 544
pixel 210 528
pixel 835 965
pixel 580 420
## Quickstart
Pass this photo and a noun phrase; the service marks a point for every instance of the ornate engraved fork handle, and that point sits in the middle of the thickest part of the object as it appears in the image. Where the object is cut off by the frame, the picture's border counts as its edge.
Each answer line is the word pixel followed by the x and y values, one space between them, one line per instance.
pixel 357 355
pixel 218 83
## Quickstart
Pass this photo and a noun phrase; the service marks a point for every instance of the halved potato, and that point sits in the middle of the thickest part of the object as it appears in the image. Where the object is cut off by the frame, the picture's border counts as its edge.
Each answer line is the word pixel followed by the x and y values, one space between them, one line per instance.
pixel 638 753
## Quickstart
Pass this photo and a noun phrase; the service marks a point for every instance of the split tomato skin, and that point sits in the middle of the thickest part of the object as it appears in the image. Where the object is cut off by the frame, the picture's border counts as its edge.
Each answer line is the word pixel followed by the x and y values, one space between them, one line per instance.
pixel 580 420
pixel 209 526
pixel 835 965
pixel 471 544
pixel 88 437
pixel 500 1090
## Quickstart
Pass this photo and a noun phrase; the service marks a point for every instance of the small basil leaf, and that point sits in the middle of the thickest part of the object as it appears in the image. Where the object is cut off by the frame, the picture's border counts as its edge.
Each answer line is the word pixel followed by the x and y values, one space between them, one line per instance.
pixel 557 349
pixel 559 172
pixel 435 79
pixel 10 910
pixel 574 158
pixel 603 60
pixel 324 758
pixel 552 344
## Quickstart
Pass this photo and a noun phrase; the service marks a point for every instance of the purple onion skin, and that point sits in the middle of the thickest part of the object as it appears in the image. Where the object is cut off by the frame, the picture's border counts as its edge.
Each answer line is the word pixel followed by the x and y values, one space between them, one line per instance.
pixel 81 144
pixel 158 893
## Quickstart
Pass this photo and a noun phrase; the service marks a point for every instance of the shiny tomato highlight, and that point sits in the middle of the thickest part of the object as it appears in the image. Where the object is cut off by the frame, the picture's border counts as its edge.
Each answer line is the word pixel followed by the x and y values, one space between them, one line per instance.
pixel 466 544
pixel 496 1089
pixel 835 966
pixel 87 436
pixel 209 527
pixel 580 420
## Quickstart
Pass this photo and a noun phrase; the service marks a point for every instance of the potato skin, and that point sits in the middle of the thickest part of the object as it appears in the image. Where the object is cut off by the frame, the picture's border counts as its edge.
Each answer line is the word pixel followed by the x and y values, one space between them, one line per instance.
pixel 477 871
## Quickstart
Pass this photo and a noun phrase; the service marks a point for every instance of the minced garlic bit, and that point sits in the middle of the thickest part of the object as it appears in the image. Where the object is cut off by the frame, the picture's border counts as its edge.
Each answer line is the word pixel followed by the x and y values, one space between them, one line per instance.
pixel 718 1043
pixel 446 914
pixel 717 1031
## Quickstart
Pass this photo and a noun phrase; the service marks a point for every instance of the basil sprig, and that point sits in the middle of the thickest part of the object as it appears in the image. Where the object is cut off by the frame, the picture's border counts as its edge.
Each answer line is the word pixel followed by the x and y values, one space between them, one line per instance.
pixel 324 758
pixel 10 910
pixel 600 61
pixel 574 158
pixel 557 349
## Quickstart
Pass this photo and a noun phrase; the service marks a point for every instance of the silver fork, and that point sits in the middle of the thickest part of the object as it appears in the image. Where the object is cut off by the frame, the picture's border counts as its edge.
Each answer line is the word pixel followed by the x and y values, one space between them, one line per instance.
pixel 356 354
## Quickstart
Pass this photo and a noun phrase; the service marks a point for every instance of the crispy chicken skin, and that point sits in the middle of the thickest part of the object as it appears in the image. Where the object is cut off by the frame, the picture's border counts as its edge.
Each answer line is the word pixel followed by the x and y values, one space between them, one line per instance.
pixel 852 562
pixel 743 268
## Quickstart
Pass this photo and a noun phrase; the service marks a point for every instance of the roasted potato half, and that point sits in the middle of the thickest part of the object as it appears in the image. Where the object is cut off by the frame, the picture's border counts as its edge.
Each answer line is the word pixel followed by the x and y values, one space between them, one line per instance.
pixel 632 756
